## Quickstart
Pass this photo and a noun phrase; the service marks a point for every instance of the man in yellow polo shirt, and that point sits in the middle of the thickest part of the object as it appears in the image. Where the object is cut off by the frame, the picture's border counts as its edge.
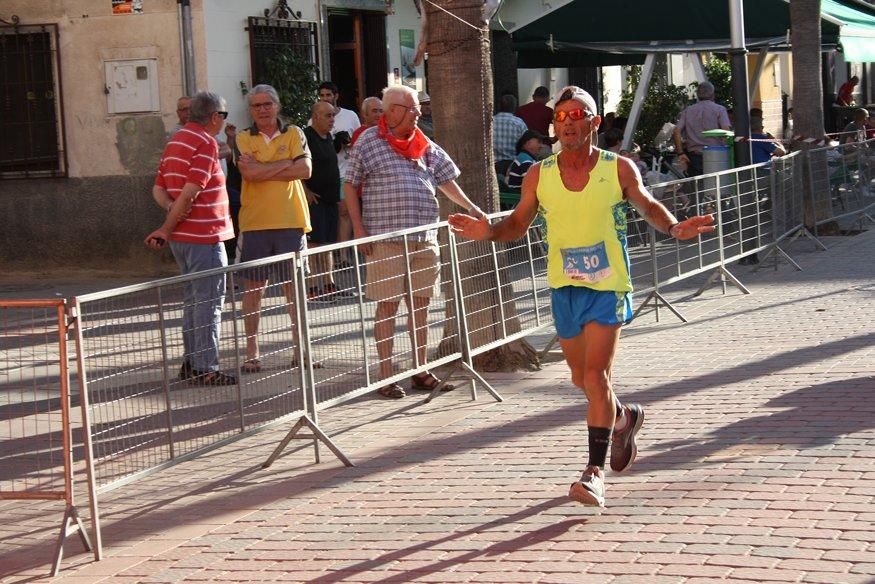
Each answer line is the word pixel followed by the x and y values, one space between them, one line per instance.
pixel 274 215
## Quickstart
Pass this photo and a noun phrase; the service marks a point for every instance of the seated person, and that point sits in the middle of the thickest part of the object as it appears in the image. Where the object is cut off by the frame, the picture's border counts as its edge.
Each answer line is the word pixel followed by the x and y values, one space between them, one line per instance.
pixel 613 139
pixel 856 130
pixel 762 148
pixel 527 149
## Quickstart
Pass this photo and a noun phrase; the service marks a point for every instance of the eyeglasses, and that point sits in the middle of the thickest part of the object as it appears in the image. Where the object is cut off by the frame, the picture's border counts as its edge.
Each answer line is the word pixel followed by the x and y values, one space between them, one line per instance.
pixel 262 105
pixel 574 115
pixel 411 110
pixel 223 114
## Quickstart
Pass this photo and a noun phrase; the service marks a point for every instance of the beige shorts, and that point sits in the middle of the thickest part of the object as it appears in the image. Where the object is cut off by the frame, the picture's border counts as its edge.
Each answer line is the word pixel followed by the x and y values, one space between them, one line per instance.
pixel 387 266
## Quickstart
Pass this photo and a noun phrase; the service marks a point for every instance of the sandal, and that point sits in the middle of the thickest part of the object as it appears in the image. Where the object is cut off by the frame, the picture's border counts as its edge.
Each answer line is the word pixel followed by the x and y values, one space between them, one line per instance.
pixel 392 391
pixel 211 378
pixel 427 382
pixel 251 366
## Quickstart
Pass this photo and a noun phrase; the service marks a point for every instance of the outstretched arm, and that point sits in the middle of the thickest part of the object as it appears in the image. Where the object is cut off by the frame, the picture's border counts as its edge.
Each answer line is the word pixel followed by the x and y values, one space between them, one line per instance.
pixel 654 212
pixel 511 227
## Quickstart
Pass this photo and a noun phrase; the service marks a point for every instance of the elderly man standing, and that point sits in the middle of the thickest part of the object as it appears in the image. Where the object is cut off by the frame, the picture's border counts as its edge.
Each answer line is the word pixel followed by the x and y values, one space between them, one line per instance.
pixel 371 110
pixel 274 215
pixel 190 186
pixel 323 193
pixel 183 106
pixel 400 170
pixel 697 118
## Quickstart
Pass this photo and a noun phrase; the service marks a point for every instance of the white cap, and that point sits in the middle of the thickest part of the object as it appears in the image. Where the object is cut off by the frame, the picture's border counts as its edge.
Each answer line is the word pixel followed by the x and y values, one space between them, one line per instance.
pixel 573 92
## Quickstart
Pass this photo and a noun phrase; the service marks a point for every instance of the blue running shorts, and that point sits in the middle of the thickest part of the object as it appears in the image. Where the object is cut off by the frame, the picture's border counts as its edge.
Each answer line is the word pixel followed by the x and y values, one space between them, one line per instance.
pixel 574 306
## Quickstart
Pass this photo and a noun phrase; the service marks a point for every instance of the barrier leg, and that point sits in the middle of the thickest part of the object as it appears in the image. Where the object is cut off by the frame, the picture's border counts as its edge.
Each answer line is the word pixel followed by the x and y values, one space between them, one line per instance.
pixel 722 276
pixel 658 300
pixel 72 524
pixel 474 377
pixel 774 252
pixel 548 348
pixel 315 435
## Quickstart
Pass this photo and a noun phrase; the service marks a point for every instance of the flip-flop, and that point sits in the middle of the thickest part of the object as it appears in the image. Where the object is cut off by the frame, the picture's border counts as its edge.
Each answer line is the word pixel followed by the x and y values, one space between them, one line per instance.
pixel 251 366
pixel 392 391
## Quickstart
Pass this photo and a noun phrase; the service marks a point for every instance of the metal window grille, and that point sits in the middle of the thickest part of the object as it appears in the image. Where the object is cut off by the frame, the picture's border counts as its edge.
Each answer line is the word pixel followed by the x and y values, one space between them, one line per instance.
pixel 268 35
pixel 31 116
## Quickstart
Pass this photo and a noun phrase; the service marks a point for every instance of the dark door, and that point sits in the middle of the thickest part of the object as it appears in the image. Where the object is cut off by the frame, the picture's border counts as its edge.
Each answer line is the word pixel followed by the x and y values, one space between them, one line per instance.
pixel 357 44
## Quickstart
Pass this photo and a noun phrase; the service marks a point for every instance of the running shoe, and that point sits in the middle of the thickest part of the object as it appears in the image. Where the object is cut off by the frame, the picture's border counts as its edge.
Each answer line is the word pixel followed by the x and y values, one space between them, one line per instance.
pixel 590 489
pixel 624 449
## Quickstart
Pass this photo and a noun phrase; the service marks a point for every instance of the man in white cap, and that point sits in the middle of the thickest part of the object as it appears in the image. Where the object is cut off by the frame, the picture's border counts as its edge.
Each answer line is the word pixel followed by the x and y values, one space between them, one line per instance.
pixel 585 193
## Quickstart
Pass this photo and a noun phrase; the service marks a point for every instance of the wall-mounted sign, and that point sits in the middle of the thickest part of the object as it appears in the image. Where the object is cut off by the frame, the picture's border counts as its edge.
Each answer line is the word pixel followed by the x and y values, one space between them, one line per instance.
pixel 127 6
pixel 408 53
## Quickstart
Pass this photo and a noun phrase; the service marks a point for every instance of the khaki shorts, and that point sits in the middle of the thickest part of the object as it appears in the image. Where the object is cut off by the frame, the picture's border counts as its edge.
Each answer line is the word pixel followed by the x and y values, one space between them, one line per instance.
pixel 387 266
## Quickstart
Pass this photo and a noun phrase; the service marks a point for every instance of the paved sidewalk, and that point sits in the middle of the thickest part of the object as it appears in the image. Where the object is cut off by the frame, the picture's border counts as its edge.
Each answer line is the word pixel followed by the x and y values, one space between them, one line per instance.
pixel 756 464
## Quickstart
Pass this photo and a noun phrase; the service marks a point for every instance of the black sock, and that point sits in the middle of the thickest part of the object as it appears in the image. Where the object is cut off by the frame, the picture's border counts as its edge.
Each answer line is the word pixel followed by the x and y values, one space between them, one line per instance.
pixel 599 440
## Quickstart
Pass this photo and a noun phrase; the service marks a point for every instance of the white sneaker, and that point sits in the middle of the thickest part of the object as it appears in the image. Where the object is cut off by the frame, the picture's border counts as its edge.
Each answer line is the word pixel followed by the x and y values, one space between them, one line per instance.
pixel 590 489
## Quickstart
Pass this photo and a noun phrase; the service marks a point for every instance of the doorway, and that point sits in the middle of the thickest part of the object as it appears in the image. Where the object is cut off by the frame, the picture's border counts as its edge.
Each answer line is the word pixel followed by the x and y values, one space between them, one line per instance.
pixel 357 53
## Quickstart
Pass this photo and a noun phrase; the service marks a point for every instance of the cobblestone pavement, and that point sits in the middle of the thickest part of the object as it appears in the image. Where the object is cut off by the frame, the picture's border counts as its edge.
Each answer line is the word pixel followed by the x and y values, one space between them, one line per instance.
pixel 756 464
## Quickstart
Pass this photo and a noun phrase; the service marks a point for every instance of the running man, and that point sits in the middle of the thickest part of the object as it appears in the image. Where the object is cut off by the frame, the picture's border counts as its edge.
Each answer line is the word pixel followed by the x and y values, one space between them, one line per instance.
pixel 585 193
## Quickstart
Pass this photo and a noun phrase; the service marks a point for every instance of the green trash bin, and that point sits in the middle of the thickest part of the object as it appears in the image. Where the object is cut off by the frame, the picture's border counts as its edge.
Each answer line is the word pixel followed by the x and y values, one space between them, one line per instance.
pixel 728 137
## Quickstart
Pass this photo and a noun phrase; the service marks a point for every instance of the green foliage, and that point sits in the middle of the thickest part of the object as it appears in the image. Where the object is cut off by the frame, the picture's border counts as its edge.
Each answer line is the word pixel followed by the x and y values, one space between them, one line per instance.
pixel 663 103
pixel 295 79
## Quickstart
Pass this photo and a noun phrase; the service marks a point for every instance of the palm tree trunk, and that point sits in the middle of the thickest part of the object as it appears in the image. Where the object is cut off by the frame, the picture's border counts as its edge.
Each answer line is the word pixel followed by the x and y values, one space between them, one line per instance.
pixel 460 85
pixel 808 97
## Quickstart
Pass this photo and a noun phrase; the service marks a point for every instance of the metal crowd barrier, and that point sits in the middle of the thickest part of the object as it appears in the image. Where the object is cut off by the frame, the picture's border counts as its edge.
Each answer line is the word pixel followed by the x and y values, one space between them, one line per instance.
pixel 36 452
pixel 841 179
pixel 315 324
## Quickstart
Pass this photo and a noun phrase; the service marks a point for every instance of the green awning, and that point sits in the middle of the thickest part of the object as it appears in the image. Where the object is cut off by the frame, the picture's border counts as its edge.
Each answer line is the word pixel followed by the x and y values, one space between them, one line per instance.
pixel 575 33
pixel 857 35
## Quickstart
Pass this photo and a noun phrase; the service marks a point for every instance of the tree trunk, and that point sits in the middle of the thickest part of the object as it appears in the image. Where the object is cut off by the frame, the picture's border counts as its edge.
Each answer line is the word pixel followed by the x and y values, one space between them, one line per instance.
pixel 808 98
pixel 461 89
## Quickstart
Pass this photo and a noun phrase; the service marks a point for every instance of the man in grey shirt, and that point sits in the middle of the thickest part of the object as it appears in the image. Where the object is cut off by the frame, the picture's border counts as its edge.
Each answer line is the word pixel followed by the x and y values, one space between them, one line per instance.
pixel 697 118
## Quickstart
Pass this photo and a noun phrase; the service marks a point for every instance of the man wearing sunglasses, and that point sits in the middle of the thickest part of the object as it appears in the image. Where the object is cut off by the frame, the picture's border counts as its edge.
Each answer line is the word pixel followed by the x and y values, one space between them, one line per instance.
pixel 585 193
pixel 190 186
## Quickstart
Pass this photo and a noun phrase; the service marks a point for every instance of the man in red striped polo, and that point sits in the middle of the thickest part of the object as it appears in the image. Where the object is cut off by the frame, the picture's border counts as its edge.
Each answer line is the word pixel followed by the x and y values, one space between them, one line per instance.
pixel 191 187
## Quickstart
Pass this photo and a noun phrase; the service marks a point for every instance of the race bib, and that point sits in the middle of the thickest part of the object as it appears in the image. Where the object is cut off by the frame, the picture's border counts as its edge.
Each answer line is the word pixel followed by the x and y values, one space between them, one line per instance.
pixel 586 264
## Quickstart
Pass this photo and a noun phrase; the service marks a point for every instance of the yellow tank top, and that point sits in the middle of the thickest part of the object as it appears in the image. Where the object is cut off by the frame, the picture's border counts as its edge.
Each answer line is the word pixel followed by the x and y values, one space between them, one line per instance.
pixel 586 230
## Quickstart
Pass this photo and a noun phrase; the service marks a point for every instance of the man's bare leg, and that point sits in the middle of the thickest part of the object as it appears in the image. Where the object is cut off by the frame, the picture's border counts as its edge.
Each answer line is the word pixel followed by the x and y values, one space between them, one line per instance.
pixel 252 295
pixel 590 357
pixel 384 335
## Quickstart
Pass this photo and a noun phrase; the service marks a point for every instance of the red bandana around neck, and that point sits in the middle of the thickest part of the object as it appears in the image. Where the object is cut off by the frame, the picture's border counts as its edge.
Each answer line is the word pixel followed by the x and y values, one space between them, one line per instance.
pixel 411 148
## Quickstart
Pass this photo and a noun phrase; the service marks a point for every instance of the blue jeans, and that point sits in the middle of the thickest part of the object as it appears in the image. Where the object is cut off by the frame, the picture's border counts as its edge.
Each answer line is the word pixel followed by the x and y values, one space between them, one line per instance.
pixel 202 302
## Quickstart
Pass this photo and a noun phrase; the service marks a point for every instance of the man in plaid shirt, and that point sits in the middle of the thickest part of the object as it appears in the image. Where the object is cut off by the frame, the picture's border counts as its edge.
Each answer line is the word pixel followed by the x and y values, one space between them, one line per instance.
pixel 506 130
pixel 399 171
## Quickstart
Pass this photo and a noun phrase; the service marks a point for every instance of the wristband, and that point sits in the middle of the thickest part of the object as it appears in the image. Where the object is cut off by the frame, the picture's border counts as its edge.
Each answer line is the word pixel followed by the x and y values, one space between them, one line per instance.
pixel 476 211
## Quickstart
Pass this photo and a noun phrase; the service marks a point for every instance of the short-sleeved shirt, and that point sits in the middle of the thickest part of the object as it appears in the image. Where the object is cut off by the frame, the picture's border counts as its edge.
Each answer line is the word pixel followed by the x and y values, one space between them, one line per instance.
pixel 537 116
pixel 192 156
pixel 518 169
pixel 506 130
pixel 274 204
pixel 761 151
pixel 699 117
pixel 344 121
pixel 398 193
pixel 325 180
